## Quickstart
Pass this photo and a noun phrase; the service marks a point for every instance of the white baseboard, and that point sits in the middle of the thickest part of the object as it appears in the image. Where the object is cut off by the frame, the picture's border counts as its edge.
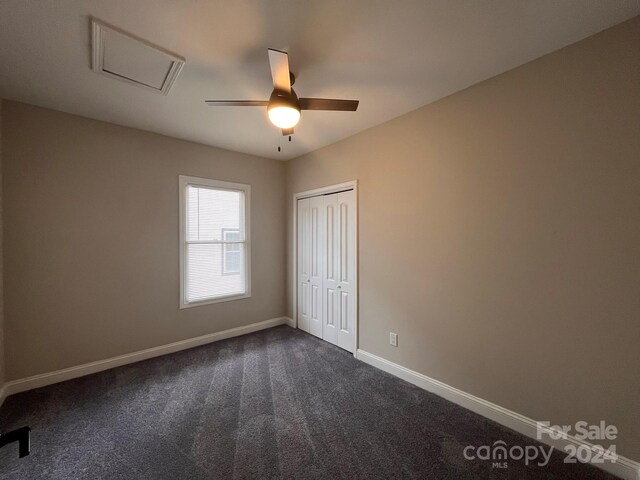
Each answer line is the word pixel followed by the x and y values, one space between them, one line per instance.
pixel 44 379
pixel 623 468
pixel 290 321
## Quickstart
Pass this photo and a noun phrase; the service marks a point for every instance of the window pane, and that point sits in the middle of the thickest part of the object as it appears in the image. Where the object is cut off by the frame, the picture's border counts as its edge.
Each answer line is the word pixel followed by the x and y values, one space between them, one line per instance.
pixel 229 235
pixel 206 275
pixel 231 258
pixel 210 212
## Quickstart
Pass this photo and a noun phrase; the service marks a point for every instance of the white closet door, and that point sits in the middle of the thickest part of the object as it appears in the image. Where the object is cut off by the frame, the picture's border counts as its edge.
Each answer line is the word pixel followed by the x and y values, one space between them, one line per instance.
pixel 330 297
pixel 304 266
pixel 316 253
pixel 326 268
pixel 346 225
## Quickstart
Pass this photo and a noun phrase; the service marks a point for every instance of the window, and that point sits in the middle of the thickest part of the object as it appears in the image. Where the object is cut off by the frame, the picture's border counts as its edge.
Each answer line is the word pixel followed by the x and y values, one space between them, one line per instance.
pixel 231 253
pixel 214 241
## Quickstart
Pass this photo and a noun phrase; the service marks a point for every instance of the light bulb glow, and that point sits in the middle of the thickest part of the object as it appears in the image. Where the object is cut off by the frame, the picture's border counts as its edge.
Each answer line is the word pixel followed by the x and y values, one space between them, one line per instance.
pixel 284 117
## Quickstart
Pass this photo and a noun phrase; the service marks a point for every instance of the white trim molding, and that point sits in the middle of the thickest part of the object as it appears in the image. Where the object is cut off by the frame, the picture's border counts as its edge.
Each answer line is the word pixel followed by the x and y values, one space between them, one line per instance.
pixel 44 379
pixel 624 467
pixel 99 33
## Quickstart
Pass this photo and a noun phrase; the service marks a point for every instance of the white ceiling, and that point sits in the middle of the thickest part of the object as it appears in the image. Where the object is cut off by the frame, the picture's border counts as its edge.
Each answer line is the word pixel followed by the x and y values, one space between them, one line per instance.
pixel 393 56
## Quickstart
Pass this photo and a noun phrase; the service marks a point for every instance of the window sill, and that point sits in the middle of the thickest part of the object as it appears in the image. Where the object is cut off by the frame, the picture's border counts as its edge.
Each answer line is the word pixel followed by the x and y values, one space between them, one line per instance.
pixel 228 298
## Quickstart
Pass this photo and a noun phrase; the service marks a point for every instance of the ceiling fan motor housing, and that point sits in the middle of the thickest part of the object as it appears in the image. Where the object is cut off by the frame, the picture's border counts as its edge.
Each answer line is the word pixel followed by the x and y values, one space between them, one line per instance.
pixel 280 98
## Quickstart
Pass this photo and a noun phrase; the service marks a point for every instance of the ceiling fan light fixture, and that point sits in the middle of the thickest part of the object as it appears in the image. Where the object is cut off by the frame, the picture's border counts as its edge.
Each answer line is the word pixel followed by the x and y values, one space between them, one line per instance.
pixel 283 109
pixel 284 116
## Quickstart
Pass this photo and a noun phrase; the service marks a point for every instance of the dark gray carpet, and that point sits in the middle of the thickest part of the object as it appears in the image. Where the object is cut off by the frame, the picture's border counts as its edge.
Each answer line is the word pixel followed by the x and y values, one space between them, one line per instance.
pixel 274 404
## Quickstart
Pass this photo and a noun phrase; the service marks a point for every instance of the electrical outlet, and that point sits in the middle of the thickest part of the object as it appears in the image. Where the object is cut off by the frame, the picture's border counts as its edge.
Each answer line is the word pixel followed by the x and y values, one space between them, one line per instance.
pixel 393 339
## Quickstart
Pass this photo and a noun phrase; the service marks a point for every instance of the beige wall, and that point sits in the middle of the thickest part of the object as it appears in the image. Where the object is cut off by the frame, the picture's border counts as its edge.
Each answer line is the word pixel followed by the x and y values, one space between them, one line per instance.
pixel 499 235
pixel 91 239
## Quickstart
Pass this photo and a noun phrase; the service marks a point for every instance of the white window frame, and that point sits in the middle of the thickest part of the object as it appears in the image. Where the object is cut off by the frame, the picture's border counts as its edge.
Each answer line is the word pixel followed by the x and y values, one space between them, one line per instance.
pixel 183 182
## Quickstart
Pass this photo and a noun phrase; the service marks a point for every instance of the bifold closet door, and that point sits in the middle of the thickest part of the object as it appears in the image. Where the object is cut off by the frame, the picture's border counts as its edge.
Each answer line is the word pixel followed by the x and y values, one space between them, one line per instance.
pixel 326 267
pixel 330 296
pixel 345 256
pixel 310 260
pixel 304 264
pixel 315 267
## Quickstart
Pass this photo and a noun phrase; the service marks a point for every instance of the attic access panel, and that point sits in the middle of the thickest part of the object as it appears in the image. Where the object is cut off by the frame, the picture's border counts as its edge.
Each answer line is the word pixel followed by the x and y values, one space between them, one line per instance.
pixel 122 56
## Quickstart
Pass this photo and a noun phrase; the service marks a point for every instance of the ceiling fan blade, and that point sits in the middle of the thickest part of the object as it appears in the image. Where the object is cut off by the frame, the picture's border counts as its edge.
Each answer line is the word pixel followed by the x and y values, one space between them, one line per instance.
pixel 279 63
pixel 328 104
pixel 237 103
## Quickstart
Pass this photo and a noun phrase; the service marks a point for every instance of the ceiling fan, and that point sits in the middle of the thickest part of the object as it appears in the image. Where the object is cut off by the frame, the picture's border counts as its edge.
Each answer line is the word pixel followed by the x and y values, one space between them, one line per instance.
pixel 284 106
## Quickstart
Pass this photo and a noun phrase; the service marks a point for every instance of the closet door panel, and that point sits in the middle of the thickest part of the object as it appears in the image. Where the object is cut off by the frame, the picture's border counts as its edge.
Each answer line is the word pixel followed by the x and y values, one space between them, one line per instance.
pixel 316 265
pixel 330 281
pixel 346 225
pixel 304 266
